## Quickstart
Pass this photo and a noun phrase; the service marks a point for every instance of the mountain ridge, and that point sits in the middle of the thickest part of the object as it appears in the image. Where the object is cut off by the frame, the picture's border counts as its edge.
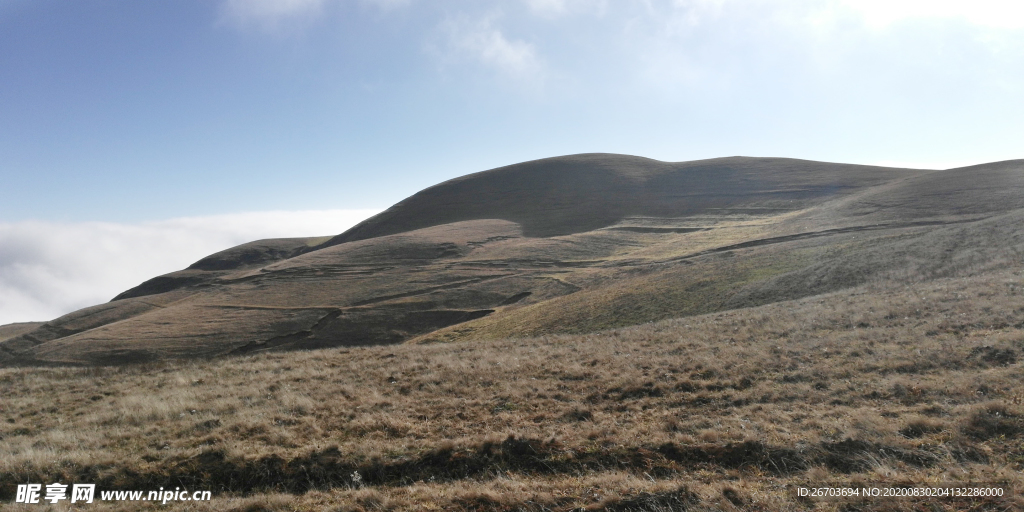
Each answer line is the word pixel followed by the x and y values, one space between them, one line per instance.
pixel 564 244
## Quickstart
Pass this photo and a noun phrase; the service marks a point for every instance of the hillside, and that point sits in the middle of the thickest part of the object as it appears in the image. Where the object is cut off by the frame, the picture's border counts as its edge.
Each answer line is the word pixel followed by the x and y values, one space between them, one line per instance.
pixel 570 244
pixel 767 333
pixel 11 330
pixel 882 384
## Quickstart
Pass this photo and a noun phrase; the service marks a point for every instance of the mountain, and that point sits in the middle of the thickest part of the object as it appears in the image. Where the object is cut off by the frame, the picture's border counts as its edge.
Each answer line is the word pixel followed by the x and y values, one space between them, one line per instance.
pixel 569 244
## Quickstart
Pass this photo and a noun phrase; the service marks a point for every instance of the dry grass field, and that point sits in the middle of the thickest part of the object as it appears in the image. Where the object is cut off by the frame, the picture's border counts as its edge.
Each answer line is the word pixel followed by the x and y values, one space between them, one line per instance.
pixel 912 382
pixel 715 336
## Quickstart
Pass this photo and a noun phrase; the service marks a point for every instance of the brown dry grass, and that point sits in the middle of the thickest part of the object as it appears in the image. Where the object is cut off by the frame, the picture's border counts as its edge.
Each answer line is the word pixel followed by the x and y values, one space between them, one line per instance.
pixel 919 383
pixel 11 330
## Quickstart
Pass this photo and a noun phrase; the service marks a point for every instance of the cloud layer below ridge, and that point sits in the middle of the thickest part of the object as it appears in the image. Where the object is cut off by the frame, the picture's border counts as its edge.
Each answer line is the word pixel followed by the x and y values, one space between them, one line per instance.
pixel 48 269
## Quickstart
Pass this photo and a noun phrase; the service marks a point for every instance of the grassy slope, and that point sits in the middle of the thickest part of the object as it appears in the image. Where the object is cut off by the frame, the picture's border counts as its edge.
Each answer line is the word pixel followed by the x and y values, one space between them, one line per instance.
pixel 11 330
pixel 684 239
pixel 892 381
pixel 755 276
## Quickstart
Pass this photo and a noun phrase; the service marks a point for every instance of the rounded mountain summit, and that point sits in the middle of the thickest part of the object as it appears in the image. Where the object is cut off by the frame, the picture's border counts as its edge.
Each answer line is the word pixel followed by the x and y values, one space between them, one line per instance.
pixel 572 194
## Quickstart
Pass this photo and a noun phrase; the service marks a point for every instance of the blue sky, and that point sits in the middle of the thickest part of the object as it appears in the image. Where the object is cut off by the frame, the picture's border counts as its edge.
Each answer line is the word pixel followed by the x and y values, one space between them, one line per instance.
pixel 128 111
pixel 139 113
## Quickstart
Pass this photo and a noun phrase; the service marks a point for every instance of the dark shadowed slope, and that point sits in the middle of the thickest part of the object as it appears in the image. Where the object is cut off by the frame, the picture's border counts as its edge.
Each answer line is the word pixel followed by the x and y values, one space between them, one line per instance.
pixel 573 194
pixel 569 244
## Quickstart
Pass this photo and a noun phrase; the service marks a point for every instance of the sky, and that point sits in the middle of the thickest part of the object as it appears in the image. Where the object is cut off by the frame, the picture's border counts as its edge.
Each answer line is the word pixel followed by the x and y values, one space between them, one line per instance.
pixel 130 132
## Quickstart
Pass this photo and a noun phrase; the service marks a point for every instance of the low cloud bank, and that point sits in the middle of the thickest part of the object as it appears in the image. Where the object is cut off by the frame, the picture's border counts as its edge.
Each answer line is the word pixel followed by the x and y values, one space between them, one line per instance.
pixel 48 269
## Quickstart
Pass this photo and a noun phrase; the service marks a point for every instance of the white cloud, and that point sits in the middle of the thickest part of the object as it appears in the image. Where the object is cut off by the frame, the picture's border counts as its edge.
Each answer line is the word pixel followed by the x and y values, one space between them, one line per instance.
pixel 480 42
pixel 556 8
pixel 725 45
pixel 547 7
pixel 991 13
pixel 48 269
pixel 691 12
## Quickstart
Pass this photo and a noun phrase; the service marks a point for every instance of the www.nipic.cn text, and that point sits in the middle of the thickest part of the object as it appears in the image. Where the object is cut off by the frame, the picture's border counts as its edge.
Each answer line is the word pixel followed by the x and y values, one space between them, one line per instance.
pixel 86 493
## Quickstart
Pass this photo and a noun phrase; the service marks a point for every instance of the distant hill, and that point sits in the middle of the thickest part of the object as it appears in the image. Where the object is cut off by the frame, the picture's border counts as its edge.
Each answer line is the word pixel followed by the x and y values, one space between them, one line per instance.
pixel 560 245
pixel 578 193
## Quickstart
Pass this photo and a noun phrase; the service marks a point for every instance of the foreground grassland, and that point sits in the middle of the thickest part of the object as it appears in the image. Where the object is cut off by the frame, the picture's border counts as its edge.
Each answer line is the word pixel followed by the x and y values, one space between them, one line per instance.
pixel 892 381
